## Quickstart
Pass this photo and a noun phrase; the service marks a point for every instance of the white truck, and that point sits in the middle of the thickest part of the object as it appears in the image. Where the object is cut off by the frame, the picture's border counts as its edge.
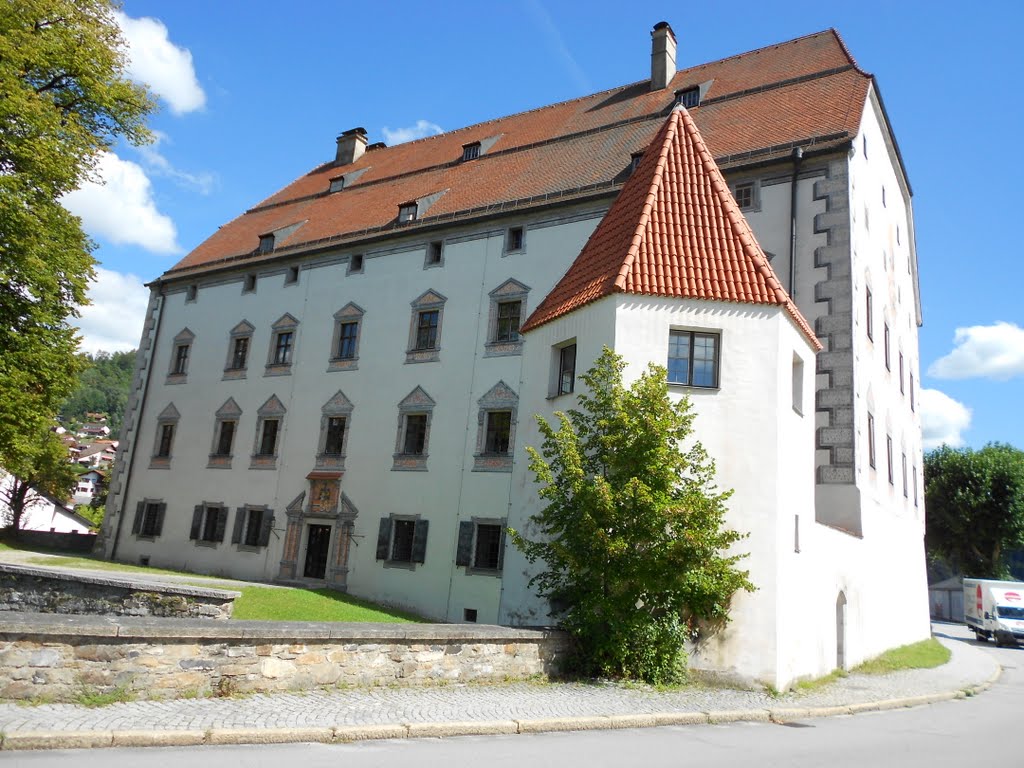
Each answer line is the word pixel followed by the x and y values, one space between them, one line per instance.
pixel 995 609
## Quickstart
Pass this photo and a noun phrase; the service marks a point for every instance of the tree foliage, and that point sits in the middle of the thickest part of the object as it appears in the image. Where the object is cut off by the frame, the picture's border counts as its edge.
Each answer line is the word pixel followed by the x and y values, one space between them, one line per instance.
pixel 44 470
pixel 64 99
pixel 975 502
pixel 633 543
pixel 103 387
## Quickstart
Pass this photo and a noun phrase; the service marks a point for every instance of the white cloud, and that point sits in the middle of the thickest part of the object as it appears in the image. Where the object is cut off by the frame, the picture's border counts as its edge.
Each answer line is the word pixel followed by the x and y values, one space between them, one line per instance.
pixel 202 182
pixel 989 351
pixel 154 60
pixel 119 207
pixel 942 419
pixel 113 321
pixel 422 129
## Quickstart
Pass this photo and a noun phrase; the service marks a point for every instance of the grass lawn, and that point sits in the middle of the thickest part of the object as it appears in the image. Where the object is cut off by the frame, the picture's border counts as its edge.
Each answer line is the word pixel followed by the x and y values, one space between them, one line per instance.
pixel 923 655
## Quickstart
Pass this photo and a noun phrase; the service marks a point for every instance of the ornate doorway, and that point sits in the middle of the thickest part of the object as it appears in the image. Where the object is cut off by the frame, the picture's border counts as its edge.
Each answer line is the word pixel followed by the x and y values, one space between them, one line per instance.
pixel 328 521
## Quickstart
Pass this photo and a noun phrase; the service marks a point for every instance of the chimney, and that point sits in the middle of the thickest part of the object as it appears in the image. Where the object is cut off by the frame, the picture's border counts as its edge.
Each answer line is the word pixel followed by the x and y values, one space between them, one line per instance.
pixel 351 145
pixel 663 55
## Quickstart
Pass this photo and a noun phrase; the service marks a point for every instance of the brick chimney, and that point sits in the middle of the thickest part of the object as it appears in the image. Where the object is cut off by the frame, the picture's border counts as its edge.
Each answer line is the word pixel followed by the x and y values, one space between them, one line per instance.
pixel 663 55
pixel 351 145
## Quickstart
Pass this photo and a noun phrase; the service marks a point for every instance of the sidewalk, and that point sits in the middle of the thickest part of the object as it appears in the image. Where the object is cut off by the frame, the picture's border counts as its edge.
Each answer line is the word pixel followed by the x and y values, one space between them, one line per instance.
pixel 389 713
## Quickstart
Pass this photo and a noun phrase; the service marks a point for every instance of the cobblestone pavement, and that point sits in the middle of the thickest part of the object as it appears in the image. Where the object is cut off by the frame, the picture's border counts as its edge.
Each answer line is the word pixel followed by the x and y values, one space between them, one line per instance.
pixel 969 668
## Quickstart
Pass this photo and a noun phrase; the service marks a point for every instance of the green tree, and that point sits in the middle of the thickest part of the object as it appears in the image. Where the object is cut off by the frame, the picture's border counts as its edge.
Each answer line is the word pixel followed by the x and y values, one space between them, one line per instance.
pixel 975 502
pixel 103 387
pixel 44 470
pixel 64 99
pixel 633 543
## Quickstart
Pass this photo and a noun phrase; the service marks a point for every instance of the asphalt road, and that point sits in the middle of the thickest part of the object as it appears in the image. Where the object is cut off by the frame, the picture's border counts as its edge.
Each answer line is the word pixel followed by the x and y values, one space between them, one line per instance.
pixel 979 730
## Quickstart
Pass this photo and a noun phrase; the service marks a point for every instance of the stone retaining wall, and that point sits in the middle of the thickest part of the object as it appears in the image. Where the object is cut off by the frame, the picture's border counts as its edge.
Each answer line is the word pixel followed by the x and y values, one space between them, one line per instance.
pixel 46 590
pixel 65 542
pixel 46 656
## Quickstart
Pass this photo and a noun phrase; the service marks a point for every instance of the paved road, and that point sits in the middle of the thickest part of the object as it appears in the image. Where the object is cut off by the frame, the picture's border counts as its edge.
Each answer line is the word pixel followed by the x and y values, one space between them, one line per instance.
pixel 948 733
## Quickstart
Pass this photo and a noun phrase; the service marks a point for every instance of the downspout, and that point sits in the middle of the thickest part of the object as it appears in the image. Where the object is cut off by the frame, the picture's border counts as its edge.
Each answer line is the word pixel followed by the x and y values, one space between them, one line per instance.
pixel 138 424
pixel 798 154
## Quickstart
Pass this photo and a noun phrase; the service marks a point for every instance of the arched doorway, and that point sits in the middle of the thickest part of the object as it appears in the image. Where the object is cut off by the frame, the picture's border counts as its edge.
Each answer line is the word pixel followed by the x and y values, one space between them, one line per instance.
pixel 841 631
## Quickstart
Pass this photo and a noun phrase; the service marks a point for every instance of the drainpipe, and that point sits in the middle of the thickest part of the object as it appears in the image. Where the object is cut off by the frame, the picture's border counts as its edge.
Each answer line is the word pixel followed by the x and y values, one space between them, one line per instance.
pixel 798 155
pixel 138 423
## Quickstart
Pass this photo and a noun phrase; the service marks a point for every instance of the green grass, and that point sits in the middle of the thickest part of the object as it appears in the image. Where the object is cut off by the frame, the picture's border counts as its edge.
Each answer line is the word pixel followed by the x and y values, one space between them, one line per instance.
pixel 923 655
pixel 809 686
pixel 90 697
pixel 275 604
pixel 67 561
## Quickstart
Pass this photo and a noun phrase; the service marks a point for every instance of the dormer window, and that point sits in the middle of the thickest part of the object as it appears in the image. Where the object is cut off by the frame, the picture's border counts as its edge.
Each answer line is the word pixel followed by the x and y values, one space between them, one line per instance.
pixel 266 243
pixel 471 151
pixel 688 97
pixel 634 160
pixel 337 184
pixel 407 212
pixel 355 263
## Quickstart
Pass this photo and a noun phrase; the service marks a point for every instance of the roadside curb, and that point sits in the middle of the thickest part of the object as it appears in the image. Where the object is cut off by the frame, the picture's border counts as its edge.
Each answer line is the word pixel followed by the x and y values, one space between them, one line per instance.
pixel 31 740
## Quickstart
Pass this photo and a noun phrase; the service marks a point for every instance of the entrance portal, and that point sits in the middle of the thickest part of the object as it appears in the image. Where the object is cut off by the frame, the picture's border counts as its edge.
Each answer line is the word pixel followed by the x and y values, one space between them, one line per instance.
pixel 318 542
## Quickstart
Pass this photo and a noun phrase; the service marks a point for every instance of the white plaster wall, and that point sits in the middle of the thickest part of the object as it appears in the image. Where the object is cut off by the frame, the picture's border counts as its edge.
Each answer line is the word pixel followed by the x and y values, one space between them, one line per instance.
pixel 41 514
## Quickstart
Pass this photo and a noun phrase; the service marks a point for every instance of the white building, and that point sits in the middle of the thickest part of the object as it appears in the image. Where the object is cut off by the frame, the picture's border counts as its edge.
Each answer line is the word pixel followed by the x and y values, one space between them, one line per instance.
pixel 347 355
pixel 41 513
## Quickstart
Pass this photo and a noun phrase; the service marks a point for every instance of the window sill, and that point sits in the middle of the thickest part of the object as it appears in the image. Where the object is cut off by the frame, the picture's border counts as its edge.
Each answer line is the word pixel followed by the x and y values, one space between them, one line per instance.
pixel 218 461
pixel 278 369
pixel 503 348
pixel 492 572
pixel 492 462
pixel 692 387
pixel 423 355
pixel 146 536
pixel 400 564
pixel 176 378
pixel 409 462
pixel 263 462
pixel 342 364
pixel 254 548
pixel 331 461
pixel 160 462
pixel 206 544
pixel 233 374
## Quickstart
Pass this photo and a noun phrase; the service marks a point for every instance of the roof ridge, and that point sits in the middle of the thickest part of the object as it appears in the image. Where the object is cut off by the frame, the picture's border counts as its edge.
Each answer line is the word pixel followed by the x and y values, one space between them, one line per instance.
pixel 764 48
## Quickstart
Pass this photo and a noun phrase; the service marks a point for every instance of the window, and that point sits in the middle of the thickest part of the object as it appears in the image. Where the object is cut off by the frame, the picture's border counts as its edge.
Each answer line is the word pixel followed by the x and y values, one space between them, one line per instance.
pixel 209 522
pixel 566 380
pixel 291 277
pixel 355 263
pixel 915 485
pixel 192 292
pixel 402 540
pixel 689 97
pixel 869 319
pixel 266 244
pixel 334 429
pixel 888 453
pixel 413 438
pixel 499 427
pixel 435 254
pixel 508 304
pixel 905 478
pixel 693 358
pixel 335 435
pixel 225 427
pixel 177 372
pixel 901 374
pixel 238 351
pixel 508 321
pixel 225 438
pixel 425 328
pixel 282 346
pixel 634 160
pixel 249 283
pixel 345 341
pixel 496 429
pixel 268 431
pixel 798 384
pixel 888 366
pixel 744 195
pixel 149 519
pixel 864 146
pixel 514 239
pixel 252 526
pixel 407 212
pixel 471 151
pixel 481 545
pixel 871 441
pixel 336 184
pixel 912 392
pixel 166 425
pixel 883 196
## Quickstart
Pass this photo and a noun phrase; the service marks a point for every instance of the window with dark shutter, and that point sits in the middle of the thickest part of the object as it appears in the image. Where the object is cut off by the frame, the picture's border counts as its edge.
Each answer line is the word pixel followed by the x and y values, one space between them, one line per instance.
pixel 487 552
pixel 152 521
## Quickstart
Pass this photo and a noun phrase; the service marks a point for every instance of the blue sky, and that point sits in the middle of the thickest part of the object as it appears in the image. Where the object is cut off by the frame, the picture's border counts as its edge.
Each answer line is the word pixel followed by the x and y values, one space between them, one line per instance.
pixel 253 94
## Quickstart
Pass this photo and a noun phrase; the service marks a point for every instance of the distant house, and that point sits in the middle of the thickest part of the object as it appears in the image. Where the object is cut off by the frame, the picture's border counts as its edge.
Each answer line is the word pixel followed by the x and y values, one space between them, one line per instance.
pixel 87 485
pixel 42 512
pixel 94 429
pixel 98 454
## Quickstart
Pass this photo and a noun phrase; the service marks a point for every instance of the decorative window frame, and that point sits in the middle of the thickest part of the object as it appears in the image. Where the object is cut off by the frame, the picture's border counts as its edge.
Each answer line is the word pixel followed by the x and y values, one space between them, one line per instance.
pixel 142 509
pixel 386 538
pixel 201 519
pixel 227 413
pixel 168 417
pixel 500 398
pixel 429 301
pixel 510 290
pixel 244 521
pixel 244 330
pixel 338 406
pixel 350 313
pixel 466 546
pixel 272 410
pixel 415 403
pixel 185 338
pixel 286 324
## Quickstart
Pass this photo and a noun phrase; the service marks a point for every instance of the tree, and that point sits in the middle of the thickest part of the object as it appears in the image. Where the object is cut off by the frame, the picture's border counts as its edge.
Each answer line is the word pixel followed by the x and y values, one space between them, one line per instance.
pixel 633 541
pixel 103 387
pixel 64 99
pixel 44 471
pixel 975 502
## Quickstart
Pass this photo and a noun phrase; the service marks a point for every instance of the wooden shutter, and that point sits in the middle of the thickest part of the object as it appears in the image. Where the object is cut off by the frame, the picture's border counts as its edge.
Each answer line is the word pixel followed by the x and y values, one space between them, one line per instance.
pixel 222 524
pixel 419 541
pixel 464 553
pixel 236 532
pixel 140 510
pixel 161 510
pixel 197 521
pixel 384 538
pixel 266 526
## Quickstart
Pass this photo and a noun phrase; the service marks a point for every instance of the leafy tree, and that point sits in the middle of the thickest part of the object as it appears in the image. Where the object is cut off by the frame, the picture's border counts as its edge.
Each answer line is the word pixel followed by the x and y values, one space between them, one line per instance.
pixel 103 387
pixel 64 99
pixel 45 470
pixel 633 538
pixel 975 502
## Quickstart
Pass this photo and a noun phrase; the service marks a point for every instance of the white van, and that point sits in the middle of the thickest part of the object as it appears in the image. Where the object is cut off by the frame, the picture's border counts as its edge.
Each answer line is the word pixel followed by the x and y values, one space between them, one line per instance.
pixel 995 609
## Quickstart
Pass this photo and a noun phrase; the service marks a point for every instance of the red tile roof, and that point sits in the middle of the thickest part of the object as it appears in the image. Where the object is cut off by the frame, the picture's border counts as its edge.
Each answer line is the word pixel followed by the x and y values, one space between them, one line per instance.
pixel 807 91
pixel 676 231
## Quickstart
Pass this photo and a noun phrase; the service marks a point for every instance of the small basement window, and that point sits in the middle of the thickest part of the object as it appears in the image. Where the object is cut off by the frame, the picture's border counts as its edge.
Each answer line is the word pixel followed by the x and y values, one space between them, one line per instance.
pixel 407 212
pixel 471 151
pixel 266 243
pixel 689 97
